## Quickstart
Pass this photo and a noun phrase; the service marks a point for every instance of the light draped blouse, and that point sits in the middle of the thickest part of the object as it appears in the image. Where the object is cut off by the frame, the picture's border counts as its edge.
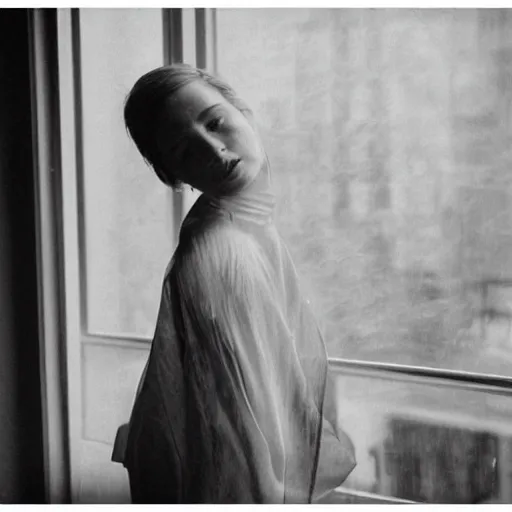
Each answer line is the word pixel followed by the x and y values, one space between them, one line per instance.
pixel 230 408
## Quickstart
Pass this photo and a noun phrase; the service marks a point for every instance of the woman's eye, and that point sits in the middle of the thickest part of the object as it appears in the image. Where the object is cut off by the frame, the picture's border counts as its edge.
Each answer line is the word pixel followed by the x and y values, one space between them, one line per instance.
pixel 215 124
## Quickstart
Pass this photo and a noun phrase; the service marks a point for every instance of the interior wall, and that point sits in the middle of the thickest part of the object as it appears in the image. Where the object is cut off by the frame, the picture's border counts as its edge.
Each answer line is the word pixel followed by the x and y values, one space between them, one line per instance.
pixel 21 456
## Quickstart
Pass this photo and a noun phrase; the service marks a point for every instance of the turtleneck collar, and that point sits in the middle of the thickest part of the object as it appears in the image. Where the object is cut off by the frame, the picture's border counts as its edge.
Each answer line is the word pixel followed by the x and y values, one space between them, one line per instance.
pixel 254 204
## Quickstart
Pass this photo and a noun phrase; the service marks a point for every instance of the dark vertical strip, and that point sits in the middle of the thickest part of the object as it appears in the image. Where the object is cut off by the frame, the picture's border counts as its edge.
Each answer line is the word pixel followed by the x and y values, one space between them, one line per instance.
pixel 80 183
pixel 51 32
pixel 173 36
pixel 21 440
pixel 24 275
pixel 213 41
pixel 80 180
pixel 166 31
pixel 201 50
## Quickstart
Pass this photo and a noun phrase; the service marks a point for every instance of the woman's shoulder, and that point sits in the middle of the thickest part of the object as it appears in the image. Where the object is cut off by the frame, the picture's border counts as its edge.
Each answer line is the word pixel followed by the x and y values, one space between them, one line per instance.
pixel 207 236
pixel 222 251
pixel 201 222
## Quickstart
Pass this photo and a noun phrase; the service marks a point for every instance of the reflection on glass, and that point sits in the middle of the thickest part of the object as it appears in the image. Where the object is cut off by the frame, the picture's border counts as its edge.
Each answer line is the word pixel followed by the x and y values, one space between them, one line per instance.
pixel 389 134
pixel 128 213
pixel 427 443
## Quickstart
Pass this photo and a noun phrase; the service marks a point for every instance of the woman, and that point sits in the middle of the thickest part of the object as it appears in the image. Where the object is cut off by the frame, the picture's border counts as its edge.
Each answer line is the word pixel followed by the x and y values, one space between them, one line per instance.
pixel 231 406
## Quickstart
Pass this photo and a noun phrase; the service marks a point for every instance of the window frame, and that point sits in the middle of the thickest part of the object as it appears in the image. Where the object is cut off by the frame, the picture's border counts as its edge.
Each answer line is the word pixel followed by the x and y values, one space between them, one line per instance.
pixel 188 36
pixel 46 127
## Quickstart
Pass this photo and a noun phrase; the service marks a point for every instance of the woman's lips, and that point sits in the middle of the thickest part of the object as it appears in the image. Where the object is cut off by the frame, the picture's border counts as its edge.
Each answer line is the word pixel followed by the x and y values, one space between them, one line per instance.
pixel 234 164
pixel 231 166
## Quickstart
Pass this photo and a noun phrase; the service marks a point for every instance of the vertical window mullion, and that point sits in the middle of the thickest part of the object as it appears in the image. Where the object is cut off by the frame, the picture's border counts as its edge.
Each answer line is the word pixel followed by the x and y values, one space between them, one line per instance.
pixel 173 53
pixel 206 39
pixel 189 48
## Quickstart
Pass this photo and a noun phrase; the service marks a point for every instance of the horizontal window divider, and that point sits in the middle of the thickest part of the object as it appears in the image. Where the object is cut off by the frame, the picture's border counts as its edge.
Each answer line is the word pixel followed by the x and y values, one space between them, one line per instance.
pixel 117 339
pixel 486 383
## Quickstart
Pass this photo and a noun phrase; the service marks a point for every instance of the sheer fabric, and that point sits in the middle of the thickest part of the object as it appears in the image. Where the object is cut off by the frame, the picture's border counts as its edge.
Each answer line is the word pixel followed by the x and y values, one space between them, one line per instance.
pixel 231 406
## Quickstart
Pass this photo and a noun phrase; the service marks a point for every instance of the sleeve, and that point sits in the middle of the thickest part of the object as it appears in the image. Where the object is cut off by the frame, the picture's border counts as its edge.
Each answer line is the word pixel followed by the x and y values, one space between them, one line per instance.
pixel 155 470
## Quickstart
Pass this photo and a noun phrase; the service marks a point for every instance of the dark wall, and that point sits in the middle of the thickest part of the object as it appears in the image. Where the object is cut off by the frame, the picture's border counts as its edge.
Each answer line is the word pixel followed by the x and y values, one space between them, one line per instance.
pixel 21 459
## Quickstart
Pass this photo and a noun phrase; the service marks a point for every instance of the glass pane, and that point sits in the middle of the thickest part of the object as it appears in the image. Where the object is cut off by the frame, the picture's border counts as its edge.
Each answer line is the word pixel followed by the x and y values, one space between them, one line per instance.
pixel 389 132
pixel 128 212
pixel 427 443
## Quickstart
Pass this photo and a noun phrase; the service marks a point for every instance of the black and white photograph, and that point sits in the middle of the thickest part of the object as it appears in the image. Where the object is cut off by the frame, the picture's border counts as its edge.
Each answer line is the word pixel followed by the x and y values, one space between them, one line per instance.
pixel 255 255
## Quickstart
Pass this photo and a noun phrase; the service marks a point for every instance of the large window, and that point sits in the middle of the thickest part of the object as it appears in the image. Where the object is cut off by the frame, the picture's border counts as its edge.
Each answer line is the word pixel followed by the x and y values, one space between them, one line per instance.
pixel 389 134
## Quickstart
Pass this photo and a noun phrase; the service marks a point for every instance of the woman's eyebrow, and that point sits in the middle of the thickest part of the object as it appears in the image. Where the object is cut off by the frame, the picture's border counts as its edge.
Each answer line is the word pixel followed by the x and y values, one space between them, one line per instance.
pixel 206 111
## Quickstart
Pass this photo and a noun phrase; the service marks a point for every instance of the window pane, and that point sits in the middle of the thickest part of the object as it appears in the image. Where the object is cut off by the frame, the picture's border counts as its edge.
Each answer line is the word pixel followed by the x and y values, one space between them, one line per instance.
pixel 389 134
pixel 425 442
pixel 128 212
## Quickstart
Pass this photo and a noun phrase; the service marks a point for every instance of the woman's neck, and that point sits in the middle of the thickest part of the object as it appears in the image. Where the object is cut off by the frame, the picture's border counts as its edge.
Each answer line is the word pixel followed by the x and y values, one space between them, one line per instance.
pixel 255 203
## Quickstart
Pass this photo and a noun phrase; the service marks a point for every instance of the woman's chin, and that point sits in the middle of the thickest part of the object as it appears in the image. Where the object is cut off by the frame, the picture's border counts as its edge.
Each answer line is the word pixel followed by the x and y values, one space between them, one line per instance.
pixel 236 182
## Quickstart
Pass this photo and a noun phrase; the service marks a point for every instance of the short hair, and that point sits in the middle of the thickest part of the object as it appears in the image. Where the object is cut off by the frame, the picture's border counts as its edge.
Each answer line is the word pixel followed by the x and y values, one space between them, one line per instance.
pixel 144 106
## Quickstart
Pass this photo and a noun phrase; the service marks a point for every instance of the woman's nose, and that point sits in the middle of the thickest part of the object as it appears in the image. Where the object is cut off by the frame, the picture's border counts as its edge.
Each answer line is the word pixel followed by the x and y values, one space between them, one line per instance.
pixel 214 145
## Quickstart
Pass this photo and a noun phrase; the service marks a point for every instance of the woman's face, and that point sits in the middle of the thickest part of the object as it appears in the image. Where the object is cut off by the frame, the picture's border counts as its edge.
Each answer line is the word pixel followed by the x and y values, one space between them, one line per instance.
pixel 207 142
